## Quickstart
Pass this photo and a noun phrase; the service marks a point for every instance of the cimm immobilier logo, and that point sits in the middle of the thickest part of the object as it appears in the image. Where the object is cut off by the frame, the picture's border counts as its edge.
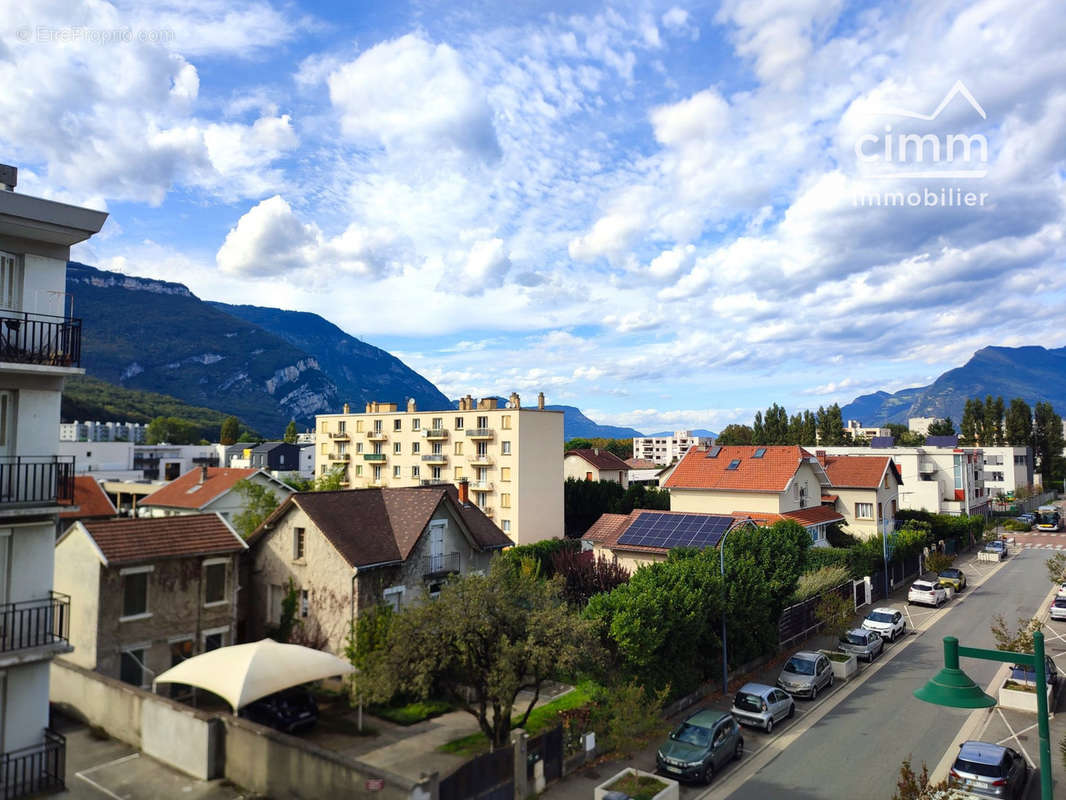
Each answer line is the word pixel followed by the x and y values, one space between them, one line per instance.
pixel 902 152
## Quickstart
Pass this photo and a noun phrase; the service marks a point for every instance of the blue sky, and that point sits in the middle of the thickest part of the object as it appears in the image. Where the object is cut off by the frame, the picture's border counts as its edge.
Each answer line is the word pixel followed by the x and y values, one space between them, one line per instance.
pixel 659 212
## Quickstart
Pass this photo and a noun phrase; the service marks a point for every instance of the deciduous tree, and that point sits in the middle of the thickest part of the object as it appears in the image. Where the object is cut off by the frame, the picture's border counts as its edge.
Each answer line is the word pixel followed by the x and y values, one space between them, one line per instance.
pixel 231 429
pixel 942 427
pixel 736 434
pixel 290 432
pixel 259 503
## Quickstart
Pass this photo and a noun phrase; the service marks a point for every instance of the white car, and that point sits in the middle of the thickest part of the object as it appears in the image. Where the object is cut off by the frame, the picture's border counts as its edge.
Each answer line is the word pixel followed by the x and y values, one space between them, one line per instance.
pixel 888 622
pixel 1062 590
pixel 926 593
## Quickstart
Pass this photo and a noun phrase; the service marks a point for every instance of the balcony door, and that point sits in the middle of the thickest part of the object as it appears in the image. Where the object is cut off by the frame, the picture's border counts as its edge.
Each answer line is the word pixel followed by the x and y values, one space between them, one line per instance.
pixel 436 545
pixel 9 477
pixel 10 282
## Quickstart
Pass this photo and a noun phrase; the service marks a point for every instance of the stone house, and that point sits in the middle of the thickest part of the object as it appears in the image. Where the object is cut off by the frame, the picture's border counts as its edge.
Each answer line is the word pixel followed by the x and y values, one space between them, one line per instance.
pixel 349 550
pixel 148 593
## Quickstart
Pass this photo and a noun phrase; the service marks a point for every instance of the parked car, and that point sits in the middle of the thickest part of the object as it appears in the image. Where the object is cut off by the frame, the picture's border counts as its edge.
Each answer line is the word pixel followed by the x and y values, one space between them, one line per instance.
pixel 888 622
pixel 289 711
pixel 927 593
pixel 1062 590
pixel 997 546
pixel 989 770
pixel 700 746
pixel 956 577
pixel 806 673
pixel 864 644
pixel 1021 672
pixel 761 705
pixel 1058 608
pixel 1028 518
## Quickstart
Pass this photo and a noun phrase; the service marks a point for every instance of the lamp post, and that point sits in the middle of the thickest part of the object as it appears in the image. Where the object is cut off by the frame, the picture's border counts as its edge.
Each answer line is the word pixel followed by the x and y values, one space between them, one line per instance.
pixel 954 688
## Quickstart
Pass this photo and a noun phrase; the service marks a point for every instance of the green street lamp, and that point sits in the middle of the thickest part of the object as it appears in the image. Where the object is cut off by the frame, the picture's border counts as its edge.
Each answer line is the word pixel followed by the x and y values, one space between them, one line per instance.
pixel 953 688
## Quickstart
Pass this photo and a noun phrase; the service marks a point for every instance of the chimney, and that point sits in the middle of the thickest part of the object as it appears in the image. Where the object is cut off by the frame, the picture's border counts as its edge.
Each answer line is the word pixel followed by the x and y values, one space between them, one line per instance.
pixel 9 177
pixel 464 492
pixel 516 402
pixel 595 451
pixel 540 400
pixel 820 455
pixel 203 474
pixel 411 405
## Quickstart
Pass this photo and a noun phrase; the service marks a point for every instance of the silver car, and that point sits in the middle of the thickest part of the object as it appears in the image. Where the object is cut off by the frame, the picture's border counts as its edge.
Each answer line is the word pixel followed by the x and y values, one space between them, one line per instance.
pixel 864 644
pixel 760 705
pixel 989 770
pixel 806 673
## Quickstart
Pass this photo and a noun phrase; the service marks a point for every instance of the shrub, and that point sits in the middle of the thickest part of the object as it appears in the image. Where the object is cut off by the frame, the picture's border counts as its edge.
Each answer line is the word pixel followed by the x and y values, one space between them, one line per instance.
pixel 939 561
pixel 543 553
pixel 626 716
pixel 819 557
pixel 1017 525
pixel 583 576
pixel 812 584
pixel 1019 640
pixel 835 612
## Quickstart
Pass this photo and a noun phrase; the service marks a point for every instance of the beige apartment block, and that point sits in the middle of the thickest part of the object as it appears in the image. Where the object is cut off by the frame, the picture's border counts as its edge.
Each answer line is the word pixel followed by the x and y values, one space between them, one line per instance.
pixel 510 455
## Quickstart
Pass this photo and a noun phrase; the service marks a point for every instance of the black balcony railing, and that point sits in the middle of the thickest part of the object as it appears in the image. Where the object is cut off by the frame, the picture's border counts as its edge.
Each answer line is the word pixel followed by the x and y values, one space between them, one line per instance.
pixel 36 480
pixel 34 623
pixel 440 564
pixel 36 769
pixel 205 461
pixel 40 339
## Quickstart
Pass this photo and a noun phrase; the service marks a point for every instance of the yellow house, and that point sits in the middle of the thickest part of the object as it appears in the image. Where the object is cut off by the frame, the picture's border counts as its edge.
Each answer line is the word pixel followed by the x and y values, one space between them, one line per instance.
pixel 593 464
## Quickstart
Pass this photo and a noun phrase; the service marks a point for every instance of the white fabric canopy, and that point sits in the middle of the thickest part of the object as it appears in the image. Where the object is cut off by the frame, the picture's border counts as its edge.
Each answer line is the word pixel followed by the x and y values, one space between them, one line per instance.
pixel 243 673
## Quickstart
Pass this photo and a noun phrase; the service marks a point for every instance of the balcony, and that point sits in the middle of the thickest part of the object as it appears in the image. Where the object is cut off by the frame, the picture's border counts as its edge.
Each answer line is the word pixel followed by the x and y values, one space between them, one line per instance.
pixel 40 339
pixel 204 461
pixel 435 458
pixel 479 433
pixel 481 460
pixel 341 457
pixel 376 436
pixel 373 456
pixel 481 486
pixel 488 512
pixel 31 624
pixel 31 481
pixel 440 564
pixel 435 433
pixel 36 769
pixel 339 436
pixel 433 482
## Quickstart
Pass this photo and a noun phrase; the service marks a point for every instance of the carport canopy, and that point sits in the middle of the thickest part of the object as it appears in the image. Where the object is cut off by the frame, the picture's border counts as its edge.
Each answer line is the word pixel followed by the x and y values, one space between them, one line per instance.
pixel 242 673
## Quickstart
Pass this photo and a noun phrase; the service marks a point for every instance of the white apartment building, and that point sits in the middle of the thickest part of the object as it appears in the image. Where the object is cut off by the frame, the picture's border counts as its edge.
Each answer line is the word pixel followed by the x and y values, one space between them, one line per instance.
pixel 102 431
pixel 1008 469
pixel 942 480
pixel 128 461
pixel 511 456
pixel 857 430
pixel 667 449
pixel 920 424
pixel 40 345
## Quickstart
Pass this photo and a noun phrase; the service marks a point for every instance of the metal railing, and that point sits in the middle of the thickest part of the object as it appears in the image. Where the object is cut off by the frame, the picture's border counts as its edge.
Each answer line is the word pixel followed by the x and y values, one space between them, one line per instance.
pixel 343 457
pixel 433 482
pixel 36 480
pixel 479 433
pixel 35 769
pixel 438 457
pixel 435 433
pixel 339 435
pixel 481 459
pixel 373 456
pixel 40 339
pixel 375 436
pixel 34 623
pixel 481 486
pixel 440 564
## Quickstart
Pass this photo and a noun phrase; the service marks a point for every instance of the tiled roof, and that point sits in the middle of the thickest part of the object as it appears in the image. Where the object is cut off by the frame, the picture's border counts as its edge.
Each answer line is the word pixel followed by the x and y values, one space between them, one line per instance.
pixel 186 491
pixel 769 473
pixel 91 500
pixel 600 459
pixel 815 515
pixel 374 526
pixel 642 463
pixel 610 527
pixel 857 472
pixel 125 541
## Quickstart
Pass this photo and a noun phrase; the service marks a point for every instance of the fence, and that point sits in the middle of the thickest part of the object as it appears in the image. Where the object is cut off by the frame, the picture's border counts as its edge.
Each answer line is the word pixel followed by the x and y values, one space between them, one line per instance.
pixel 34 623
pixel 544 758
pixel 35 769
pixel 33 480
pixel 799 621
pixel 490 776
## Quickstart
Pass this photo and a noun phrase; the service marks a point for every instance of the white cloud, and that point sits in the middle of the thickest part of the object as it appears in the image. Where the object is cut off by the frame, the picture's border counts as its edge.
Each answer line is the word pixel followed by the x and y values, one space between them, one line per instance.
pixel 486 266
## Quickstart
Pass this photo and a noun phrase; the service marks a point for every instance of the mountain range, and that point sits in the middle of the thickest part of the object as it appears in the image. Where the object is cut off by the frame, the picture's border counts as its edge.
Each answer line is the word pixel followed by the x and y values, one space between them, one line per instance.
pixel 1035 374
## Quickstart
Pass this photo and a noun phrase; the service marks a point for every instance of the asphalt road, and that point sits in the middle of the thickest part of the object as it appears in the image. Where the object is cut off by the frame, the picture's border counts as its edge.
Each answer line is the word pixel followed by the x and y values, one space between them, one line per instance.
pixel 855 751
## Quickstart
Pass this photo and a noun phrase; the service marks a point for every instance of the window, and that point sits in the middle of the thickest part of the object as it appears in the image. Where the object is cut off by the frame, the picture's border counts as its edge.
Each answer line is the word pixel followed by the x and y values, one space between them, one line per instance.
pixel 214 582
pixel 135 592
pixel 275 596
pixel 393 597
pixel 435 473
pixel 736 463
pixel 358 447
pixel 377 426
pixel 483 422
pixel 458 423
pixel 416 424
pixel 414 471
pixel 458 473
pixel 180 650
pixel 864 511
pixel 396 472
pixel 359 470
pixel 505 500
pixel 397 424
pixel 397 448
pixel 505 422
pixel 438 423
pixel 323 427
pixel 377 473
pixel 10 282
pixel 505 525
pixel 131 666
pixel 214 639
pixel 297 543
pixel 324 448
pixel 505 448
pixel 458 448
pixel 358 426
pixel 416 448
pixel 588 476
pixel 505 473
pixel 305 603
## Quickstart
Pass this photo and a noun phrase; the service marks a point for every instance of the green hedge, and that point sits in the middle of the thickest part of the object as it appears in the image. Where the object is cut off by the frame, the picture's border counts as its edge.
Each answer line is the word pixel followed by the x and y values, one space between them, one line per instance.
pixel 543 552
pixel 818 557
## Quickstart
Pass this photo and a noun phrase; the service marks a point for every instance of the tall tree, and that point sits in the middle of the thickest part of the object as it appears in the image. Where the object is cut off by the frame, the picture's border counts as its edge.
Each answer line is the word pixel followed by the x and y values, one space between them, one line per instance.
pixel 481 642
pixel 795 429
pixel 942 427
pixel 231 429
pixel 775 425
pixel 290 432
pixel 1019 432
pixel 259 503
pixel 735 434
pixel 810 429
pixel 171 430
pixel 998 414
pixel 830 425
pixel 758 432
pixel 1047 440
pixel 989 422
pixel 972 421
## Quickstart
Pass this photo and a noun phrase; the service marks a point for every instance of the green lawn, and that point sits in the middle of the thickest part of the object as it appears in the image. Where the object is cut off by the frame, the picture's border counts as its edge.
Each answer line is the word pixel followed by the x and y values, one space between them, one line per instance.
pixel 410 713
pixel 540 719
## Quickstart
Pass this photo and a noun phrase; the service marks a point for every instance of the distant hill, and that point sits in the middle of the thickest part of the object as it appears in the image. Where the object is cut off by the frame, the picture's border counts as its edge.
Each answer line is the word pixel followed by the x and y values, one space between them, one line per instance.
pixel 577 425
pixel 1035 374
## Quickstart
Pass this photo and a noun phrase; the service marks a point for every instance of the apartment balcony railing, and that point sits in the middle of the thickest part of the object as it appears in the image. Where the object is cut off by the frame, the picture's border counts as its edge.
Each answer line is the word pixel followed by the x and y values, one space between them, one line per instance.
pixel 373 456
pixel 479 433
pixel 439 564
pixel 40 339
pixel 481 486
pixel 205 461
pixel 435 458
pixel 36 480
pixel 481 460
pixel 342 457
pixel 376 436
pixel 34 623
pixel 433 482
pixel 343 435
pixel 488 512
pixel 36 769
pixel 435 433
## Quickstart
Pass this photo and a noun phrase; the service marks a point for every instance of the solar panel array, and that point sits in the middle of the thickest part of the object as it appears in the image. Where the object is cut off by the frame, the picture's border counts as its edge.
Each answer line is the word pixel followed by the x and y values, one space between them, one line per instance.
pixel 714 451
pixel 652 529
pixel 883 441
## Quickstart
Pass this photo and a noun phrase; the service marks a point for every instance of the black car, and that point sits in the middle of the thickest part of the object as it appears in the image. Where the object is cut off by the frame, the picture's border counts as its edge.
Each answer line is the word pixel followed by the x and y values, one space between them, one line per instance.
pixel 289 711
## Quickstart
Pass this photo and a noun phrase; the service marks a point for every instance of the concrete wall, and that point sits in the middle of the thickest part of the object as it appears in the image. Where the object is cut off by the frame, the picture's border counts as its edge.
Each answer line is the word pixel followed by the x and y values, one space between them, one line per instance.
pixel 809 481
pixel 190 740
pixel 31 557
pixel 77 573
pixel 537 499
pixel 105 702
pixel 26 705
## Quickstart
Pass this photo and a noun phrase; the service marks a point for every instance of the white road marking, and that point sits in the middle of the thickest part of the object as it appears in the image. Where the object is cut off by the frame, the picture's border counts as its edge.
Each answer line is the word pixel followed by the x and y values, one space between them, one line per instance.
pixel 97 786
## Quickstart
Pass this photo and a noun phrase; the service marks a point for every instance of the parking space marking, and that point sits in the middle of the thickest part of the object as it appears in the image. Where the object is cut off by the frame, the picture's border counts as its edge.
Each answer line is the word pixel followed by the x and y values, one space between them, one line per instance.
pixel 1014 735
pixel 83 774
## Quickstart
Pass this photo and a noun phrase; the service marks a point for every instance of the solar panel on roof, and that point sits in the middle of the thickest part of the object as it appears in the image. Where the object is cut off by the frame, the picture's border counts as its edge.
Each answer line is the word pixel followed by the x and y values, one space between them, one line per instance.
pixel 714 451
pixel 676 530
pixel 882 441
pixel 734 463
pixel 759 452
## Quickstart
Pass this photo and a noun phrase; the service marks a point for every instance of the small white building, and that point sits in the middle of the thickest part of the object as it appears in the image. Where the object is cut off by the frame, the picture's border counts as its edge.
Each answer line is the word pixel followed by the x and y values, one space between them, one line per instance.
pixel 858 431
pixel 89 431
pixel 1008 469
pixel 667 449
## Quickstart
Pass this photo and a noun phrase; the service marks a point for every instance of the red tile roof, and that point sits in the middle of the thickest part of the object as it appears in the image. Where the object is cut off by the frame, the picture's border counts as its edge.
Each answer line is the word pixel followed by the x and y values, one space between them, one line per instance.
pixel 815 515
pixel 600 459
pixel 91 500
pixel 126 541
pixel 642 463
pixel 186 491
pixel 858 472
pixel 770 473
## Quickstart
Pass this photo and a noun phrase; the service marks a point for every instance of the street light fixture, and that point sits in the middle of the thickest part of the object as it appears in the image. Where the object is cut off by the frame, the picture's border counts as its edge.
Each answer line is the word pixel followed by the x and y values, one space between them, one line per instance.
pixel 953 688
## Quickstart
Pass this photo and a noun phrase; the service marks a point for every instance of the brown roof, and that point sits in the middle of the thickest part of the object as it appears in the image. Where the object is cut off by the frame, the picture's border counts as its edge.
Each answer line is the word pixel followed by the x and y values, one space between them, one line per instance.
pixel 374 526
pixel 769 473
pixel 186 491
pixel 858 472
pixel 600 459
pixel 642 463
pixel 610 527
pixel 815 515
pixel 91 500
pixel 125 541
